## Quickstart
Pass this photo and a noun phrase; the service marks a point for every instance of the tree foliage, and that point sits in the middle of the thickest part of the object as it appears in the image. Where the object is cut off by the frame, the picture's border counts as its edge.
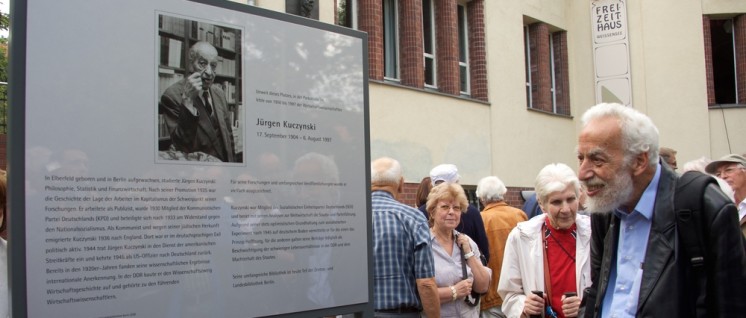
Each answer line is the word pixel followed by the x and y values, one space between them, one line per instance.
pixel 4 25
pixel 4 21
pixel 342 13
pixel 4 59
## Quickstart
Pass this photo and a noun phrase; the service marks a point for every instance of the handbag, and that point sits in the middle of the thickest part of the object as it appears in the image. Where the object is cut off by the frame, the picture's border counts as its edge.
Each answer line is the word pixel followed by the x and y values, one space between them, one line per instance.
pixel 473 298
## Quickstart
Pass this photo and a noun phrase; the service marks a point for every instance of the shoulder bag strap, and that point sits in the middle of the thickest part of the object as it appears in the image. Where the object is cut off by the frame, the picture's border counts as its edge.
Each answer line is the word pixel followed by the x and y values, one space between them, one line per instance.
pixel 547 282
pixel 464 275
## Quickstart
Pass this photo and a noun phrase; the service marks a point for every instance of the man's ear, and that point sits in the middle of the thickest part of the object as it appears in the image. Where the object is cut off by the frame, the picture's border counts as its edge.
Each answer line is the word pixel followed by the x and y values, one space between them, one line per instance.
pixel 640 163
pixel 400 188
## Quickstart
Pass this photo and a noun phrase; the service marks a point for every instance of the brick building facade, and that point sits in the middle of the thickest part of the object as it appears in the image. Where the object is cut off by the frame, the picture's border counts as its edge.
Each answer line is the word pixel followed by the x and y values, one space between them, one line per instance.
pixel 530 75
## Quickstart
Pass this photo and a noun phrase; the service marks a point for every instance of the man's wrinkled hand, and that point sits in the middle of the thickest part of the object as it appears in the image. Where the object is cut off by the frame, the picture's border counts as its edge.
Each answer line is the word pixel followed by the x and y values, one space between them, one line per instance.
pixel 193 83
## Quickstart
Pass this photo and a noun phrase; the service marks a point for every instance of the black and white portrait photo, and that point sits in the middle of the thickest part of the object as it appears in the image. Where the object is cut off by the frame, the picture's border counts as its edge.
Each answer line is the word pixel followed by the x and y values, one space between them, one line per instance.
pixel 199 85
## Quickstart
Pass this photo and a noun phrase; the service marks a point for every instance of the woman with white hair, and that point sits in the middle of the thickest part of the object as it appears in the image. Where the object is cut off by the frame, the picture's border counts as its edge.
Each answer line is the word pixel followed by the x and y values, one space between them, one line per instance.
pixel 549 253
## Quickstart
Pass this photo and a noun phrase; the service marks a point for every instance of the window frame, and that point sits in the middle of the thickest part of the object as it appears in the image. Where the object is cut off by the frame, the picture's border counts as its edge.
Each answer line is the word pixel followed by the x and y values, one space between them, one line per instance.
pixel 391 48
pixel 552 73
pixel 463 43
pixel 555 91
pixel 527 66
pixel 717 70
pixel 351 12
pixel 354 12
pixel 432 57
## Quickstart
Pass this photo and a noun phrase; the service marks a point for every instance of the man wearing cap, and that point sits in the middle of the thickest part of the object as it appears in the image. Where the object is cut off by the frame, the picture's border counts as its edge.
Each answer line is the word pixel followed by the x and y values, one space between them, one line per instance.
pixel 471 221
pixel 732 169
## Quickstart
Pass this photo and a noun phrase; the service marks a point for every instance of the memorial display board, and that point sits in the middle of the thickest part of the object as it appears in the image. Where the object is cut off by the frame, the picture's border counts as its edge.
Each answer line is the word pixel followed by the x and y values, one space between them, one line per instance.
pixel 187 159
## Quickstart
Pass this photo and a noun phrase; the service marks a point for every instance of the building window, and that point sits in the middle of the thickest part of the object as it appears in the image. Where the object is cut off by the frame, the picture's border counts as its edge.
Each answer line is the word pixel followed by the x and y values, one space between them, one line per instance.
pixel 428 38
pixel 547 82
pixel 527 54
pixel 723 61
pixel 304 8
pixel 463 50
pixel 553 73
pixel 560 76
pixel 347 13
pixel 391 40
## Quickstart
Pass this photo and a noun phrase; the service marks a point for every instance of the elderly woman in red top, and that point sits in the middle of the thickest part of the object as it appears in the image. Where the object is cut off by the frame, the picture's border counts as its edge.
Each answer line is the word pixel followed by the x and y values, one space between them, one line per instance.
pixel 548 253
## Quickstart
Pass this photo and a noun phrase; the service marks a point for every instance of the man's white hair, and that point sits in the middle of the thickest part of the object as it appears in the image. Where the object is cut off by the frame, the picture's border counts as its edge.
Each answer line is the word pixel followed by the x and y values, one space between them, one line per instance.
pixel 491 189
pixel 390 175
pixel 639 134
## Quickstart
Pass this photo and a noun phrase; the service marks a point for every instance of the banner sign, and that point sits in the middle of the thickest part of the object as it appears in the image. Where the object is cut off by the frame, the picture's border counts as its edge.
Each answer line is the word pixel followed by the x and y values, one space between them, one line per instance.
pixel 611 51
pixel 187 159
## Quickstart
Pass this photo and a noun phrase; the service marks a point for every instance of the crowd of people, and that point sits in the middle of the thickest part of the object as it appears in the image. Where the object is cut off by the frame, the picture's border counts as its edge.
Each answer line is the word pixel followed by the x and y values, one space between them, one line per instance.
pixel 625 236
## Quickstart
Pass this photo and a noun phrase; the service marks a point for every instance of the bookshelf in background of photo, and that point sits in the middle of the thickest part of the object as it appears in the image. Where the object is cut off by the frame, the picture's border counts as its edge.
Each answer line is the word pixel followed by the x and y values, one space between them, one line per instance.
pixel 176 36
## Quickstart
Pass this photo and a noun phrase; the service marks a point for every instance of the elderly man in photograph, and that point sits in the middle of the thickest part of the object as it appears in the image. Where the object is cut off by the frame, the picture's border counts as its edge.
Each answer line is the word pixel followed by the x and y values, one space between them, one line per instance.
pixel 195 110
pixel 639 263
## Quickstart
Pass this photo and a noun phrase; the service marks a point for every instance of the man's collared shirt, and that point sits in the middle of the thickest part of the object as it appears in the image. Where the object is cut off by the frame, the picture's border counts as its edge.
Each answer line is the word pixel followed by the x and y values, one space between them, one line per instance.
pixel 402 252
pixel 622 293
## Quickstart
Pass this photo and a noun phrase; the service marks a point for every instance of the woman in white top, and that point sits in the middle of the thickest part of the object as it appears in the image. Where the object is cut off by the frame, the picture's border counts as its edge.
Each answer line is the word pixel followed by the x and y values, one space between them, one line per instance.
pixel 548 253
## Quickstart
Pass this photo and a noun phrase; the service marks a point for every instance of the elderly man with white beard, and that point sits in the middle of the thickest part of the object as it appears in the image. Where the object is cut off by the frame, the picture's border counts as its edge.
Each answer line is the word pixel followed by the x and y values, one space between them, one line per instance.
pixel 638 266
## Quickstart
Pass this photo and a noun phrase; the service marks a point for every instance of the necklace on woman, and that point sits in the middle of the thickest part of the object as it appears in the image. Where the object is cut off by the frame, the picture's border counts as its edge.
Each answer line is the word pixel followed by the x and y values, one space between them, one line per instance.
pixel 548 233
pixel 448 238
pixel 562 247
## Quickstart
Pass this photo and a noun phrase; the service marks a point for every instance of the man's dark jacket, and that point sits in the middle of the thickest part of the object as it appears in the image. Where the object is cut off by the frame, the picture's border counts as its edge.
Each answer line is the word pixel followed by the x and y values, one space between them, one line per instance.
pixel 668 288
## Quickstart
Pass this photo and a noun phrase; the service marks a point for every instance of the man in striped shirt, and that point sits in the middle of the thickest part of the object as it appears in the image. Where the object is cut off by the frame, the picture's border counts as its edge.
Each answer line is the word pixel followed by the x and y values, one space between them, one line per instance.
pixel 403 260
